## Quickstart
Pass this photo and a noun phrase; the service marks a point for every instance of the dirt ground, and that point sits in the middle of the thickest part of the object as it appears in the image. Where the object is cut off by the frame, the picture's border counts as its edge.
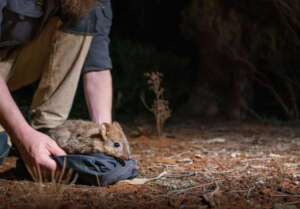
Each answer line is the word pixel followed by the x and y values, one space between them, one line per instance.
pixel 231 165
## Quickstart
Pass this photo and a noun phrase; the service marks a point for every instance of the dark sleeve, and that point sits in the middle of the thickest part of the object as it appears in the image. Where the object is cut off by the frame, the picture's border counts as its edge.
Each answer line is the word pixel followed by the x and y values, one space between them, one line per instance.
pixel 98 57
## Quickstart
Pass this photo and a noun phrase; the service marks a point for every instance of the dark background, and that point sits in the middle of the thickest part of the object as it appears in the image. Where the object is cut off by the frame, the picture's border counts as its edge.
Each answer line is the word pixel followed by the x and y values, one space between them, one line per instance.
pixel 228 60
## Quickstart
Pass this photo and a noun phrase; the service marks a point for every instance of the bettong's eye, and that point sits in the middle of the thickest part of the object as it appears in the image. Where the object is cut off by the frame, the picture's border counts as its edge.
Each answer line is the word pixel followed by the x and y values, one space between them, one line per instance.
pixel 116 144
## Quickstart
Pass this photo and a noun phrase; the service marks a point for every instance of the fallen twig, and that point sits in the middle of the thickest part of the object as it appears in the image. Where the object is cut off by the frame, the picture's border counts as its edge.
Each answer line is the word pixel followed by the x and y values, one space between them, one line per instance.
pixel 292 203
pixel 216 190
pixel 256 159
pixel 176 192
pixel 250 190
pixel 178 155
pixel 186 174
pixel 223 172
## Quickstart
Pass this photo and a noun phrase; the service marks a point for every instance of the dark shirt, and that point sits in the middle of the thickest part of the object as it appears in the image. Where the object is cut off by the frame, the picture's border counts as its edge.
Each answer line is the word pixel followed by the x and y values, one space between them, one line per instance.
pixel 26 16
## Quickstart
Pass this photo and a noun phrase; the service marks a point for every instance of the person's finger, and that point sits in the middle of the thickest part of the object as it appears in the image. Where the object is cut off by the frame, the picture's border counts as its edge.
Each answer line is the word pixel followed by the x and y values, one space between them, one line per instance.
pixel 55 150
pixel 48 163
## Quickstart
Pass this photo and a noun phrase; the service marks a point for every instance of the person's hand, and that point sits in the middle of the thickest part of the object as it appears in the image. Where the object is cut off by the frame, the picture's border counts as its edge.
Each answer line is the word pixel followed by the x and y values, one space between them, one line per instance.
pixel 36 148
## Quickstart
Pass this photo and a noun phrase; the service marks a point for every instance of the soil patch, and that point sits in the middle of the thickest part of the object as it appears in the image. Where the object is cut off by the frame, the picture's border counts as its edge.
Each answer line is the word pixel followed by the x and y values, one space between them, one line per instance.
pixel 228 165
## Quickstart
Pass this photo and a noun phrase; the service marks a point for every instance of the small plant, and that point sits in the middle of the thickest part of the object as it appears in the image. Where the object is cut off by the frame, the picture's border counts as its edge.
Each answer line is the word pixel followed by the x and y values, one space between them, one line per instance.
pixel 160 107
pixel 45 192
pixel 58 177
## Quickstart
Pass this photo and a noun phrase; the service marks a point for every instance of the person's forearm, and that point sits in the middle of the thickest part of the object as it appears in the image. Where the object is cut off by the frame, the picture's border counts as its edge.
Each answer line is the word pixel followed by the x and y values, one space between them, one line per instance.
pixel 98 95
pixel 35 148
pixel 10 116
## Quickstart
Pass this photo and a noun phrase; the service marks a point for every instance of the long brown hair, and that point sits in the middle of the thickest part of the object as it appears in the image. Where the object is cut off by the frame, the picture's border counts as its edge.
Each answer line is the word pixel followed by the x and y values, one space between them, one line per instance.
pixel 77 8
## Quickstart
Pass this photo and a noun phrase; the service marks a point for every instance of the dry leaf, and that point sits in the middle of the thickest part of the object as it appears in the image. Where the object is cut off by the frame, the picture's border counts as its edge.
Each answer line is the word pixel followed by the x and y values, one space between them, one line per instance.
pixel 140 181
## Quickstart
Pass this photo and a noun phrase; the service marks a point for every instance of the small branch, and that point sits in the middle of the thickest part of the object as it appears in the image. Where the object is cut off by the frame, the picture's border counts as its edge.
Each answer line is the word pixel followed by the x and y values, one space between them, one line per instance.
pixel 216 190
pixel 142 96
pixel 294 100
pixel 250 190
pixel 176 192
pixel 276 96
pixel 178 155
pixel 292 203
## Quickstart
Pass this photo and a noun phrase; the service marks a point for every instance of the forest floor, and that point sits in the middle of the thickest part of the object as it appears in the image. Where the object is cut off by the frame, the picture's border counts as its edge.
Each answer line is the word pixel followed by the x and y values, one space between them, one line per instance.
pixel 219 165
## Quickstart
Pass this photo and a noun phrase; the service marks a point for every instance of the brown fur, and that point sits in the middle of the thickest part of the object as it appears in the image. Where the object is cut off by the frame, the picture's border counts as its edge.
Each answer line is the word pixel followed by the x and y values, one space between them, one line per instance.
pixel 85 137
pixel 77 8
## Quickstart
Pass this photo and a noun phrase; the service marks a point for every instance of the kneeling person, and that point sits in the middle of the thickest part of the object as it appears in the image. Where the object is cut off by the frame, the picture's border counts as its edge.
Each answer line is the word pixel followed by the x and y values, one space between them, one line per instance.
pixel 52 41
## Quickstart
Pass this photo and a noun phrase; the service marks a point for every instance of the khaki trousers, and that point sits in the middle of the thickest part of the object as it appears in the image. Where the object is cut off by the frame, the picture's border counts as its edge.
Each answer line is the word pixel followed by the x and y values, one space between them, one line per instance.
pixel 56 58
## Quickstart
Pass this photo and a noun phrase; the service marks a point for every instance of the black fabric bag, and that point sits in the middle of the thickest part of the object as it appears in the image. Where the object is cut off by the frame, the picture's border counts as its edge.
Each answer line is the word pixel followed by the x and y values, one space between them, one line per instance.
pixel 96 169
pixel 99 168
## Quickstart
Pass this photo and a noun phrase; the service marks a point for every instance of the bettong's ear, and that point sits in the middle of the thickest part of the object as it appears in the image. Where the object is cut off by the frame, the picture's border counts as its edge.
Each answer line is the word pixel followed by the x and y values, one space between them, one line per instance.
pixel 117 125
pixel 104 130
